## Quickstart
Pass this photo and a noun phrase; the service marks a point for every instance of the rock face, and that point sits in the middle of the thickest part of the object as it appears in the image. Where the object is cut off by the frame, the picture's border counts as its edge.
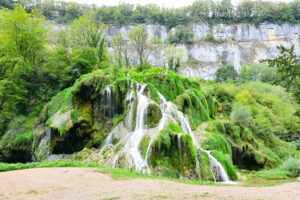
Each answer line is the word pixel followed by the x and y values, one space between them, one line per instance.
pixel 235 45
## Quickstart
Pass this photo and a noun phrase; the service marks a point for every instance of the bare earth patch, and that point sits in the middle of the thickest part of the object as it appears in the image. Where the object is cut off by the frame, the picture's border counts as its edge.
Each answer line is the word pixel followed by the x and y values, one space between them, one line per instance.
pixel 87 183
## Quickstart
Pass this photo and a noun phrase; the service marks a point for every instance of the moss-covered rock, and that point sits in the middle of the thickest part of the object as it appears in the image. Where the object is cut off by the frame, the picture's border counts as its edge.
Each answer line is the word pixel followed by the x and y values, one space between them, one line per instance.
pixel 154 115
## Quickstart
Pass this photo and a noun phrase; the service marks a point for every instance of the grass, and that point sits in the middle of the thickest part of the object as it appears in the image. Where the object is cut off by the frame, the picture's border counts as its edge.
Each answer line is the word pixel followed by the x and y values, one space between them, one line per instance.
pixel 273 174
pixel 111 198
pixel 32 192
pixel 116 173
pixel 123 174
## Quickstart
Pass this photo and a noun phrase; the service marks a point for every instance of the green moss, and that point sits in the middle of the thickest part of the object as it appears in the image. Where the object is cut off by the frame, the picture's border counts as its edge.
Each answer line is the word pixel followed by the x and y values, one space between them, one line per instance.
pixel 23 139
pixel 218 126
pixel 153 92
pixel 193 103
pixel 190 154
pixel 164 141
pixel 154 115
pixel 226 162
pixel 144 146
pixel 211 105
pixel 175 128
pixel 117 148
pixel 217 142
pixel 204 165
pixel 63 129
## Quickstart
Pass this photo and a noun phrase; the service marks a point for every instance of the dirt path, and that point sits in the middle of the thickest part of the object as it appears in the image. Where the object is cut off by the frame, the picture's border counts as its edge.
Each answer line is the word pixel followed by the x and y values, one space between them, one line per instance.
pixel 87 183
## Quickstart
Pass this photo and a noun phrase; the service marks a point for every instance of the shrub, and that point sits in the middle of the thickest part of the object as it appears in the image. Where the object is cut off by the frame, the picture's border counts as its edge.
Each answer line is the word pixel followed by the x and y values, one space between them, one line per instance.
pixel 273 174
pixel 226 73
pixel 258 72
pixel 83 61
pixel 181 35
pixel 240 115
pixel 291 165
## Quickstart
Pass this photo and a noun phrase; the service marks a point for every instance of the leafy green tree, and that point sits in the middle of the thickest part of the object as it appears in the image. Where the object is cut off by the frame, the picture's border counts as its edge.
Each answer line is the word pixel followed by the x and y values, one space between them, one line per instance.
pixel 258 72
pixel 245 10
pixel 175 56
pixel 288 69
pixel 142 44
pixel 200 10
pixel 83 61
pixel 57 69
pixel 23 37
pixel 88 31
pixel 182 35
pixel 226 73
pixel 120 48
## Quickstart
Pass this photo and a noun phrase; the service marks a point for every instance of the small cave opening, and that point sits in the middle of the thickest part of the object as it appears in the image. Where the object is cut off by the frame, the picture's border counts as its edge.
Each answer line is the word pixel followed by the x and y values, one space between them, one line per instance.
pixel 245 161
pixel 19 156
pixel 73 141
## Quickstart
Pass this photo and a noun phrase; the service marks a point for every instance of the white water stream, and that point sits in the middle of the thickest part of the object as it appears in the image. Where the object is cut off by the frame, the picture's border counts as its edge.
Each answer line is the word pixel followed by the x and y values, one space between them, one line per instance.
pixel 134 158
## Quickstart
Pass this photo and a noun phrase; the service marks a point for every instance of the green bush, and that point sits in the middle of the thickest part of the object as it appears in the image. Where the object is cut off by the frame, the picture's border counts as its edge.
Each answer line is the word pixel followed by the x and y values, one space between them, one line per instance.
pixel 226 73
pixel 83 61
pixel 273 174
pixel 258 72
pixel 291 165
pixel 182 35
pixel 240 115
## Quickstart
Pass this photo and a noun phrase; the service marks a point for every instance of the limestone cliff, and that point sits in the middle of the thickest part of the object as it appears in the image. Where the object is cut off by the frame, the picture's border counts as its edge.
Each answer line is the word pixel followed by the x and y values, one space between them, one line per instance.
pixel 236 45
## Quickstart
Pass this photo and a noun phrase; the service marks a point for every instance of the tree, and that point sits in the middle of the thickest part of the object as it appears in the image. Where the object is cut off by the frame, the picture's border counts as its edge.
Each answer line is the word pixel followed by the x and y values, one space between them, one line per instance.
pixel 258 72
pixel 288 69
pixel 182 35
pixel 23 37
pixel 83 61
pixel 175 56
pixel 225 73
pixel 142 44
pixel 245 10
pixel 240 114
pixel 119 46
pixel 88 31
pixel 200 10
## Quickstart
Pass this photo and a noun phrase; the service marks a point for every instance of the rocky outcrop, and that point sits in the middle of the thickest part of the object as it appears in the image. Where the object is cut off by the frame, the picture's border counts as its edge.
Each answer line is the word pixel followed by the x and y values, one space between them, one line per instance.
pixel 235 44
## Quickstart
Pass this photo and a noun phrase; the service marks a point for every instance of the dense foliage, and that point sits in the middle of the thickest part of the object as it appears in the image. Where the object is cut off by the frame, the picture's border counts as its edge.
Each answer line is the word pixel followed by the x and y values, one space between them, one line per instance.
pixel 200 11
pixel 56 87
pixel 288 68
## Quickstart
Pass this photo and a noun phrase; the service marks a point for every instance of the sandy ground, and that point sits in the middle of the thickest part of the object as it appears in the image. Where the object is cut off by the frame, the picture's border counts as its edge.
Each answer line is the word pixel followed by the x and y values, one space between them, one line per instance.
pixel 87 183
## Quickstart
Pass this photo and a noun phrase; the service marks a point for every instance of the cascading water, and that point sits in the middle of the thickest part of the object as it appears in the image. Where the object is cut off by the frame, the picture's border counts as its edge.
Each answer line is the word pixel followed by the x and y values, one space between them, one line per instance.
pixel 107 97
pixel 138 134
pixel 132 140
pixel 131 147
pixel 216 168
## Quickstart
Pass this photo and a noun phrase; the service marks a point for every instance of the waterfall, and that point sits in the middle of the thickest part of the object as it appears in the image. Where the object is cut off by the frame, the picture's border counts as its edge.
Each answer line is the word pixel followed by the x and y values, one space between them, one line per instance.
pixel 131 148
pixel 132 140
pixel 216 167
pixel 107 96
pixel 133 143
